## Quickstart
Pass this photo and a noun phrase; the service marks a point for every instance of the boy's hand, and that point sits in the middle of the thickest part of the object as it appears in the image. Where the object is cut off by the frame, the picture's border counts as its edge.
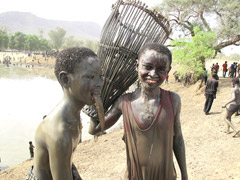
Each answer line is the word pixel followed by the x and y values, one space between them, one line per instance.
pixel 94 126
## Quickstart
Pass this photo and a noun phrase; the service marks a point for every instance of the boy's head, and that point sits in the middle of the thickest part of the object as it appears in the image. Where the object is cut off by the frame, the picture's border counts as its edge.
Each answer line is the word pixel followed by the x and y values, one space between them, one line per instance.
pixel 159 48
pixel 235 81
pixel 154 64
pixel 78 70
pixel 215 76
pixel 67 59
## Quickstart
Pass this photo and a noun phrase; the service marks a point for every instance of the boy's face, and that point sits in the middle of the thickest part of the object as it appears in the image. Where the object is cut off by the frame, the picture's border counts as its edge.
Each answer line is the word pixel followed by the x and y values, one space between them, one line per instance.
pixel 153 68
pixel 86 80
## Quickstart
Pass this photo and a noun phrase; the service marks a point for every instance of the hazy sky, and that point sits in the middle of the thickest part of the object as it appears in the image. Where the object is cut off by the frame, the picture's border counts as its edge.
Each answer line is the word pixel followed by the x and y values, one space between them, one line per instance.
pixel 73 10
pixel 70 10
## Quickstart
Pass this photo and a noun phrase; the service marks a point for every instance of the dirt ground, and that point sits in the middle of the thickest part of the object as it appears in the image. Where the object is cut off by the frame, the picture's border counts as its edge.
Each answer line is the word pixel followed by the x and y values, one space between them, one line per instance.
pixel 211 154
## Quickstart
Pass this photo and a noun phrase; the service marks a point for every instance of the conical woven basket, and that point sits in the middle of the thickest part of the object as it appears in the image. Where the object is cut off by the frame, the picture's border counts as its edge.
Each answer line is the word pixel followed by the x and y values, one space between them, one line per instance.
pixel 130 25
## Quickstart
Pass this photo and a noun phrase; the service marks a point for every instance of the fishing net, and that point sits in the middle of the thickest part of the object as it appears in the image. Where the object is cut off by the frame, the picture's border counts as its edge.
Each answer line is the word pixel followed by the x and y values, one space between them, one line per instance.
pixel 130 25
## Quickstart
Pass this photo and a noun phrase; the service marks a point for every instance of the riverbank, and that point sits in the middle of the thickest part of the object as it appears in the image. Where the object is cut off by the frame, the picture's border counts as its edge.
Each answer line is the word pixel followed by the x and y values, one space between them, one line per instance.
pixel 211 154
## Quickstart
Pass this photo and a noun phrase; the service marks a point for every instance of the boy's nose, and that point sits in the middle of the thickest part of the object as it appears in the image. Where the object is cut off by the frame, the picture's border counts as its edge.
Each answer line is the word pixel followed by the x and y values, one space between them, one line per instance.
pixel 99 83
pixel 153 73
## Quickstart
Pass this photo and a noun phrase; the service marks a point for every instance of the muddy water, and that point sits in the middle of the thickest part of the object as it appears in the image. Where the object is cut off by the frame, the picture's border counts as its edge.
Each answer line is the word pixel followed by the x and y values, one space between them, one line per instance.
pixel 25 97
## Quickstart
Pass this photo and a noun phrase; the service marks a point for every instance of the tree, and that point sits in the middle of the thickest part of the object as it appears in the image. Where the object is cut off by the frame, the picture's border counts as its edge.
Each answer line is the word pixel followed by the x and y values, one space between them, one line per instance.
pixel 44 45
pixel 70 41
pixel 219 16
pixel 57 37
pixel 31 43
pixel 190 53
pixel 4 39
pixel 17 41
pixel 41 32
pixel 91 44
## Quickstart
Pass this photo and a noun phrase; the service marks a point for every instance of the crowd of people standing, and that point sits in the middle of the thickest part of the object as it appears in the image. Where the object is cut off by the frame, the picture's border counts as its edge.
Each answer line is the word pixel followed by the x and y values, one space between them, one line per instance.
pixel 232 69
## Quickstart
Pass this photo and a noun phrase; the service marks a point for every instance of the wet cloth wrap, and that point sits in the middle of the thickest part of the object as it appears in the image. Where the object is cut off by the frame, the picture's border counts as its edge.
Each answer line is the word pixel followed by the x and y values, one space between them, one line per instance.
pixel 150 150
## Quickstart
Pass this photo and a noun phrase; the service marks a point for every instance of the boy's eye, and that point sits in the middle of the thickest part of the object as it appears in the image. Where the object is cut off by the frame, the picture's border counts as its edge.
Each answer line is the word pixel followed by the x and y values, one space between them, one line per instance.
pixel 148 67
pixel 90 77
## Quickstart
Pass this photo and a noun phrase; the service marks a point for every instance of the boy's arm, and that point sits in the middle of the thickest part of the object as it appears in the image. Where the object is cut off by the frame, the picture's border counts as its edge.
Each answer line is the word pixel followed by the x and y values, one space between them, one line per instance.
pixel 232 99
pixel 178 142
pixel 60 159
pixel 110 119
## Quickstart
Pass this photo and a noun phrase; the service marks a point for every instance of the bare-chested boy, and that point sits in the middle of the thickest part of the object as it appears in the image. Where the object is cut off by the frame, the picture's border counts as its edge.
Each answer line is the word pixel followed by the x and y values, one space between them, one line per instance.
pixel 151 115
pixel 78 71
pixel 234 106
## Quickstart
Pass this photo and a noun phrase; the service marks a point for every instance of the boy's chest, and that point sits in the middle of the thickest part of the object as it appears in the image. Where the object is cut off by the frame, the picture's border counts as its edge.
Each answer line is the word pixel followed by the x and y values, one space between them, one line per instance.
pixel 145 112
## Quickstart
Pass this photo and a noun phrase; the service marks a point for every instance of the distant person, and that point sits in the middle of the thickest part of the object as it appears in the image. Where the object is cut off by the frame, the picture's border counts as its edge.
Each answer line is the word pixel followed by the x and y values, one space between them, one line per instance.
pixel 31 149
pixel 205 75
pixel 238 70
pixel 166 79
pixel 224 66
pixel 234 106
pixel 213 70
pixel 232 70
pixel 216 68
pixel 235 69
pixel 210 92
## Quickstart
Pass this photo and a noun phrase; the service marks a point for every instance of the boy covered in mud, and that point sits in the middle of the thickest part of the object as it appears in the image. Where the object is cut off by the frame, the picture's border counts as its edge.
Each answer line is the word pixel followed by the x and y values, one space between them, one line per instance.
pixel 151 116
pixel 233 108
pixel 78 71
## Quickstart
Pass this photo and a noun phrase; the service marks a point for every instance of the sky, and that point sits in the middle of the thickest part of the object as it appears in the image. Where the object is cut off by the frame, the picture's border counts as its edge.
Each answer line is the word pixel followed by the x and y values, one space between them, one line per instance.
pixel 74 10
pixel 69 10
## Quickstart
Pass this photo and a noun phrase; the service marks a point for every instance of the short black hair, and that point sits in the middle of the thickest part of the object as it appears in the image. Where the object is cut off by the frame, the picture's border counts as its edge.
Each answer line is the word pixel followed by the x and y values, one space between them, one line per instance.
pixel 160 48
pixel 68 58
pixel 235 80
pixel 215 76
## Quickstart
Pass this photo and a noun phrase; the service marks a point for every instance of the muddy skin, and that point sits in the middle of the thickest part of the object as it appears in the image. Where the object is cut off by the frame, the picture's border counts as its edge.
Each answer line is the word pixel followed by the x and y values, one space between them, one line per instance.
pixel 100 110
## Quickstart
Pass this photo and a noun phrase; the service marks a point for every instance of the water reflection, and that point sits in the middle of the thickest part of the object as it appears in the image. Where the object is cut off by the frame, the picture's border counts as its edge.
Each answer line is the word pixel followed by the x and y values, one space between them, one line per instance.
pixel 25 98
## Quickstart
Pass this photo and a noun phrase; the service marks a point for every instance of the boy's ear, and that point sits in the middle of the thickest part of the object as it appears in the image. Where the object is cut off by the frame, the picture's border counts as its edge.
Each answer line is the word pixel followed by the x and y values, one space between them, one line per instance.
pixel 64 79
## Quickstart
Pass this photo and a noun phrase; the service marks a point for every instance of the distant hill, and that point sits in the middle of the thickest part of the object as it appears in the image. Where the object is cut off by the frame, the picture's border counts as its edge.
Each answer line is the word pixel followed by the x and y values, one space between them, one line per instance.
pixel 29 23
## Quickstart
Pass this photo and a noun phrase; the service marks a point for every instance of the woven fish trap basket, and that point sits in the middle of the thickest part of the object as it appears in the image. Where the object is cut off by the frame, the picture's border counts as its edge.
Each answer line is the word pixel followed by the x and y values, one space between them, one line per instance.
pixel 130 25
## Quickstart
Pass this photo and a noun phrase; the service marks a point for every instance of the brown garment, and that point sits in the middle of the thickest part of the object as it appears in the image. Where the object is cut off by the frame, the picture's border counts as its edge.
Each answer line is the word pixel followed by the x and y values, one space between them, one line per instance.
pixel 150 150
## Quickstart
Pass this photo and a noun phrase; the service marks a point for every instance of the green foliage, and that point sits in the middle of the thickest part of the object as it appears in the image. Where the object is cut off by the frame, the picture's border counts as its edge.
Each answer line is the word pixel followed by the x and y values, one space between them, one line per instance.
pixel 17 41
pixel 91 45
pixel 190 53
pixel 31 42
pixel 44 45
pixel 4 39
pixel 70 41
pixel 57 37
pixel 218 16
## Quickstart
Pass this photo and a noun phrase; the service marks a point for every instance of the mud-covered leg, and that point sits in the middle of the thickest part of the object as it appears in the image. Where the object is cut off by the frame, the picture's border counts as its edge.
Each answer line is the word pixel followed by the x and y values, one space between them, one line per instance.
pixel 229 124
pixel 75 173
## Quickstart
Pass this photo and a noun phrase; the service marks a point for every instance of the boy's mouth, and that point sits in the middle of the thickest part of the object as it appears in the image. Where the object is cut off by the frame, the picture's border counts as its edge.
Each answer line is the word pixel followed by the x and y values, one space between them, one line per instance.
pixel 152 81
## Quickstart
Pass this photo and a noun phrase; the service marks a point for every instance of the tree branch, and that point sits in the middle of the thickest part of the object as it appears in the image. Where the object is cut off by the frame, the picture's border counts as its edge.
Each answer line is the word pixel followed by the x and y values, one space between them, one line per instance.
pixel 205 22
pixel 235 40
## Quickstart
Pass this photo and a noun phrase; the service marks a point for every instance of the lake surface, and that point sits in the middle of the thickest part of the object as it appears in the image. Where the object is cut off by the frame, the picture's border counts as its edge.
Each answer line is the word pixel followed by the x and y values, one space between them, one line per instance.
pixel 25 98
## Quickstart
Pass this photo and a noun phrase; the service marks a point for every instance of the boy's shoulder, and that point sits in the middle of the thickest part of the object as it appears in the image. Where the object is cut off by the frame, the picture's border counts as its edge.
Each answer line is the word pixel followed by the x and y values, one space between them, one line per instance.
pixel 172 93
